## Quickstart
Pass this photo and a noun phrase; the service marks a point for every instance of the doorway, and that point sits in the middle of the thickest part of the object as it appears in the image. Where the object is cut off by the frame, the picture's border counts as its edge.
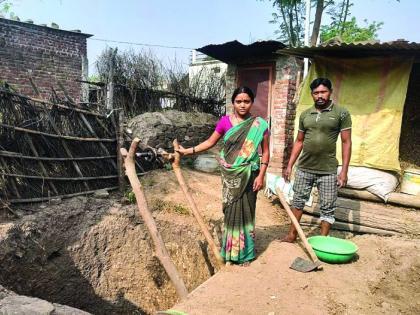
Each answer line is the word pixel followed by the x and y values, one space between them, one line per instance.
pixel 259 80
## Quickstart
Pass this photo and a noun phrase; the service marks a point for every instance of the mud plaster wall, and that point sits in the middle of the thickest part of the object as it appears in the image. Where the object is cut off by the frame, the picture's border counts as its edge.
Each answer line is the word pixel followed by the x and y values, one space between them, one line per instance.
pixel 98 258
pixel 46 54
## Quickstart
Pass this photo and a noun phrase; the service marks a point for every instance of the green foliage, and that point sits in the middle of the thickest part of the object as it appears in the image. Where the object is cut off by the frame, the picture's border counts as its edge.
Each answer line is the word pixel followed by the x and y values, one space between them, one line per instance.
pixel 94 78
pixel 349 32
pixel 5 6
pixel 168 166
pixel 131 197
pixel 289 16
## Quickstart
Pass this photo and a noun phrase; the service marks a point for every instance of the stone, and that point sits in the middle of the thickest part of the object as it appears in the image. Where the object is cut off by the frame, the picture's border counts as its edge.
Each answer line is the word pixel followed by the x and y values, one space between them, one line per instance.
pixel 55 200
pixel 11 303
pixel 67 310
pixel 24 305
pixel 101 193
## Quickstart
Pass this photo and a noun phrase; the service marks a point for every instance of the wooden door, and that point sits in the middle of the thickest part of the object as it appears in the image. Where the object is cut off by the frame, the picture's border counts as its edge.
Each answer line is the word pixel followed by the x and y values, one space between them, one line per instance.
pixel 259 80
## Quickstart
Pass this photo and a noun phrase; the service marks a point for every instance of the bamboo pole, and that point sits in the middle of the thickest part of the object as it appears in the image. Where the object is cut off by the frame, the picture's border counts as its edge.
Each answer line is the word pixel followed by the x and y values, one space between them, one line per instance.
pixel 197 215
pixel 53 159
pixel 40 164
pixel 30 200
pixel 66 147
pixel 98 120
pixel 160 249
pixel 36 100
pixel 55 136
pixel 103 147
pixel 373 215
pixel 393 198
pixel 86 123
pixel 309 220
pixel 13 181
pixel 67 179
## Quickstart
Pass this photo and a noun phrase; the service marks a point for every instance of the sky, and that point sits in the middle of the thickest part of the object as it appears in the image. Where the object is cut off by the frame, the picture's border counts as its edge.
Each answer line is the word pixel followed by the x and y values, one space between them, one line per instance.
pixel 193 23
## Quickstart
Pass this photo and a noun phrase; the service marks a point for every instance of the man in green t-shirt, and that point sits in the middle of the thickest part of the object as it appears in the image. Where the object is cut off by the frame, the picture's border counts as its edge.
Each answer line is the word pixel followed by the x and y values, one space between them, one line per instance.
pixel 319 127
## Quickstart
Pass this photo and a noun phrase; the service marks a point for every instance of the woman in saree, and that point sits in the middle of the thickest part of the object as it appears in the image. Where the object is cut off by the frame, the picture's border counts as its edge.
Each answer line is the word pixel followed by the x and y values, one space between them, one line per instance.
pixel 242 174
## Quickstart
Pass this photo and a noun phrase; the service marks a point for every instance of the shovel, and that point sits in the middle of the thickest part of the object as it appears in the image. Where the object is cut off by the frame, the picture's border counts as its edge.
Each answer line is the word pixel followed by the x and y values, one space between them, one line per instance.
pixel 300 264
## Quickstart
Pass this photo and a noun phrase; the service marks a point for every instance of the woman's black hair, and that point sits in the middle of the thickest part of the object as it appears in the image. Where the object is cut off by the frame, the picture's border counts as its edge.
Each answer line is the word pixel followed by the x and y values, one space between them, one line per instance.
pixel 243 89
pixel 321 81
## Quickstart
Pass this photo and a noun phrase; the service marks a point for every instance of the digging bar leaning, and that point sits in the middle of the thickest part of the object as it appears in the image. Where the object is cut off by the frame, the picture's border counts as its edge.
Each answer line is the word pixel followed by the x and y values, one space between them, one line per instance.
pixel 197 215
pixel 160 248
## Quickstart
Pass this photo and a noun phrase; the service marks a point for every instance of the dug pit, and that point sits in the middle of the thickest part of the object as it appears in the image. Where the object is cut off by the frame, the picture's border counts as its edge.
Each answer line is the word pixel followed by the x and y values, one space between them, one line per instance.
pixel 96 255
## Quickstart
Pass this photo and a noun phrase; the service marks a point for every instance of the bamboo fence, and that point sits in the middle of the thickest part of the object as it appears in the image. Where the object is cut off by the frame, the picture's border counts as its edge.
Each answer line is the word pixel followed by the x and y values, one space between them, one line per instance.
pixel 54 148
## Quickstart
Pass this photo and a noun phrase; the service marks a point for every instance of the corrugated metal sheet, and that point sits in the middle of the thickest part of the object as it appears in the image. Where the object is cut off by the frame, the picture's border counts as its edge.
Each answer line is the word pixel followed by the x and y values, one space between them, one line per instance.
pixel 233 51
pixel 356 50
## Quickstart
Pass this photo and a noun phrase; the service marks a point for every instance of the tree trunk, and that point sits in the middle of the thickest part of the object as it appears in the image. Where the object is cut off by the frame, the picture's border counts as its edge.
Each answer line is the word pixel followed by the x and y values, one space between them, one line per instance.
pixel 346 12
pixel 317 21
pixel 288 30
pixel 292 30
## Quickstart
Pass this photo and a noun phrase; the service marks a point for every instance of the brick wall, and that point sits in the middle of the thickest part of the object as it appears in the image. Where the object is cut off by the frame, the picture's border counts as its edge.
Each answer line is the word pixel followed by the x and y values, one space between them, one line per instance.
pixel 283 112
pixel 46 54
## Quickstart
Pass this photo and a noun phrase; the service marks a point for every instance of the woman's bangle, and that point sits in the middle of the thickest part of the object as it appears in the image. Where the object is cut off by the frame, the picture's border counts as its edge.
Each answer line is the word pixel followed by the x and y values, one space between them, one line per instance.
pixel 193 150
pixel 265 163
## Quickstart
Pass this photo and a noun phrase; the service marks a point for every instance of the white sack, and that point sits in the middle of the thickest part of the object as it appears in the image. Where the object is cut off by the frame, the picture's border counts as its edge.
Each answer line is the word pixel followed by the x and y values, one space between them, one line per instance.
pixel 377 182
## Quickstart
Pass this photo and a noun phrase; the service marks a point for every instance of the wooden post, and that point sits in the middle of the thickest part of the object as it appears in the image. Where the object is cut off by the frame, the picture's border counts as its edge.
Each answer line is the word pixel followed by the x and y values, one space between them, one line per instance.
pixel 160 249
pixel 110 86
pixel 177 170
pixel 120 144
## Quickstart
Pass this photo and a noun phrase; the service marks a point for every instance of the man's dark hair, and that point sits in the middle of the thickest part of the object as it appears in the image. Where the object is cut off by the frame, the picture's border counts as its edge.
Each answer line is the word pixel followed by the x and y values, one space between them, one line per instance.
pixel 321 81
pixel 243 89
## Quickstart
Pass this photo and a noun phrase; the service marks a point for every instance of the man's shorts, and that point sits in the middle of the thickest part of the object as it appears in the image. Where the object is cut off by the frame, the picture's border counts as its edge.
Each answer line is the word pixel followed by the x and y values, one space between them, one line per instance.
pixel 327 191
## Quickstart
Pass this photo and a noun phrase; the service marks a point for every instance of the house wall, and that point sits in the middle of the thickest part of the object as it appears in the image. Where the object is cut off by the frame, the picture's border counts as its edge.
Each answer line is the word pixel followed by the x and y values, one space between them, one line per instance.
pixel 283 112
pixel 282 109
pixel 46 54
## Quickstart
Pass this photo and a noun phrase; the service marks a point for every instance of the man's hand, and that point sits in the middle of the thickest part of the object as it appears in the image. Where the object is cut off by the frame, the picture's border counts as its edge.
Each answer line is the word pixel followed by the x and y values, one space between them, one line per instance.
pixel 342 179
pixel 287 174
pixel 258 183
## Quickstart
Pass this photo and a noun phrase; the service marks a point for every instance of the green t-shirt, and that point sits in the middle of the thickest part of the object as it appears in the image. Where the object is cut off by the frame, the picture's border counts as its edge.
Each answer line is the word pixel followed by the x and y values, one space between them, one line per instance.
pixel 321 132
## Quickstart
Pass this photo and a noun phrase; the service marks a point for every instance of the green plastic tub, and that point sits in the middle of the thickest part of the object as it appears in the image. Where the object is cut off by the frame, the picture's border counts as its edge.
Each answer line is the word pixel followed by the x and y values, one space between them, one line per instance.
pixel 332 249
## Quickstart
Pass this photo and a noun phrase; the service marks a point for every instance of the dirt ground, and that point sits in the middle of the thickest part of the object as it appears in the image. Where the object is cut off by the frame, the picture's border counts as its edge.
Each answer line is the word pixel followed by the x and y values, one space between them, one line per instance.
pixel 107 247
pixel 383 279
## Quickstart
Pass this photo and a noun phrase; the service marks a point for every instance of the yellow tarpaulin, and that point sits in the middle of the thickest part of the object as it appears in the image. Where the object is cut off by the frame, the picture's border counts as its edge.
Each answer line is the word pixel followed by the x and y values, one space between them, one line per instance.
pixel 373 90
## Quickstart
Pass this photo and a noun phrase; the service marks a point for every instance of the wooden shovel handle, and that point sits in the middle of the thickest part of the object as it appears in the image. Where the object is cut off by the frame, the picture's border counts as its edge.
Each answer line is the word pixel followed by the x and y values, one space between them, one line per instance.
pixel 196 213
pixel 296 225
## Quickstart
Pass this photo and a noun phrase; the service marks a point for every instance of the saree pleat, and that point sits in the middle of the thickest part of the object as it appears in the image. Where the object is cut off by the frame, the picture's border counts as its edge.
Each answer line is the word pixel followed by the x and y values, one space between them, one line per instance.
pixel 239 226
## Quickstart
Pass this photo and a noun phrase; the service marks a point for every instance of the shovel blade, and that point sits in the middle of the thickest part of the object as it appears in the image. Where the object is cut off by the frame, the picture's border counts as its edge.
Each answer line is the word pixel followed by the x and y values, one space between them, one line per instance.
pixel 302 265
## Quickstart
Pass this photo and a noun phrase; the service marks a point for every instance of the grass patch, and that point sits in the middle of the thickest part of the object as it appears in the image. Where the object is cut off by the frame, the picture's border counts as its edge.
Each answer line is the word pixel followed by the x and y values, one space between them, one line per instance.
pixel 169 206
